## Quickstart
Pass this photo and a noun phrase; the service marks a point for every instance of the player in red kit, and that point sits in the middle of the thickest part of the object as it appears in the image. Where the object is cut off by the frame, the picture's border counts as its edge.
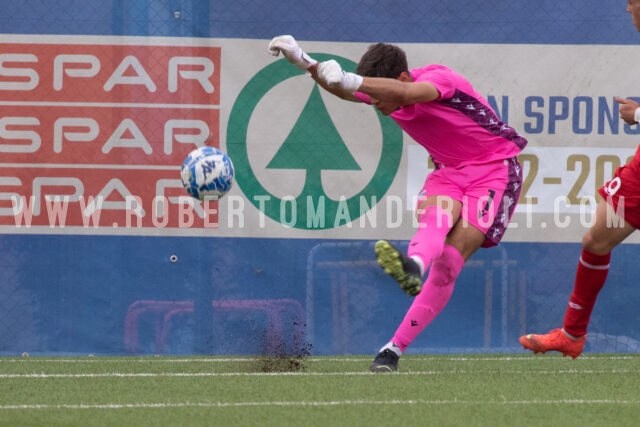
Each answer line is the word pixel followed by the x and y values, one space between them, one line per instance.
pixel 617 216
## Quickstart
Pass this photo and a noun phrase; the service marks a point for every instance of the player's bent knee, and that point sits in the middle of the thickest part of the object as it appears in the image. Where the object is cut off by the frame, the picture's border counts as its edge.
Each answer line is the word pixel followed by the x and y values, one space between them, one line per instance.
pixel 596 246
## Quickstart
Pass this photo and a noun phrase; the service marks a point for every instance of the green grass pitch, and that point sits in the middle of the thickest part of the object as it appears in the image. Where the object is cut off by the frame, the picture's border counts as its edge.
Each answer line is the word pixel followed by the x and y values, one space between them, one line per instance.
pixel 442 390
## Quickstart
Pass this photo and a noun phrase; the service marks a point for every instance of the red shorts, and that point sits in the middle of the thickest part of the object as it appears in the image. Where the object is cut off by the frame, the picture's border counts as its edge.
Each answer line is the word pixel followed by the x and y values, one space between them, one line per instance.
pixel 622 192
pixel 488 192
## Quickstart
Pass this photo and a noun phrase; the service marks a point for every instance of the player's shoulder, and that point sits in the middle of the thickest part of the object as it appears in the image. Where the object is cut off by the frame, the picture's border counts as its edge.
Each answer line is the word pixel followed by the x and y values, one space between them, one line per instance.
pixel 430 69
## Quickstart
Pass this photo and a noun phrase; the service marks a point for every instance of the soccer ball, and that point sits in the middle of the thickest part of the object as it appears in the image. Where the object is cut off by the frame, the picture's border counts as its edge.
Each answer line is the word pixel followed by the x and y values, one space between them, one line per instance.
pixel 207 172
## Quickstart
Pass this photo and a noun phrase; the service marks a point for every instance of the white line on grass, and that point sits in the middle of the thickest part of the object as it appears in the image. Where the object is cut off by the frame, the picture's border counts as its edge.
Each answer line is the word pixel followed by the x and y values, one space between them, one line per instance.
pixel 329 403
pixel 166 359
pixel 311 374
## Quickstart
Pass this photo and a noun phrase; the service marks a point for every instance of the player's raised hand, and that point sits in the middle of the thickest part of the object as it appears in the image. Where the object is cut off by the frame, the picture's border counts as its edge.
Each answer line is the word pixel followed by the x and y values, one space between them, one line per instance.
pixel 291 51
pixel 334 76
pixel 628 108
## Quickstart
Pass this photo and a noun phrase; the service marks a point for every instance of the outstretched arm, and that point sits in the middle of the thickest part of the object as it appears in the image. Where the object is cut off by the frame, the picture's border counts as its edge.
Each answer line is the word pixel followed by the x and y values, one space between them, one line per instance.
pixel 399 92
pixel 330 76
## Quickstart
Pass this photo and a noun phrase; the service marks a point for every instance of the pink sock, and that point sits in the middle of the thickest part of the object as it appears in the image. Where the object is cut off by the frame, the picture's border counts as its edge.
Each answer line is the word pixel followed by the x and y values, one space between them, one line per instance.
pixel 432 299
pixel 428 242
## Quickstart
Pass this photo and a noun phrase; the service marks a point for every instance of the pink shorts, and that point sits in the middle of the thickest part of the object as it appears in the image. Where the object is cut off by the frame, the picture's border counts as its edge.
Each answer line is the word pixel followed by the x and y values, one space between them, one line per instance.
pixel 488 192
pixel 623 192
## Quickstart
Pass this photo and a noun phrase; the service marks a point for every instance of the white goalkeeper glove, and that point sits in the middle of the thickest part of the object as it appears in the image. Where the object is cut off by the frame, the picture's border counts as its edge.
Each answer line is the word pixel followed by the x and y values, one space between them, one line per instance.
pixel 334 76
pixel 290 49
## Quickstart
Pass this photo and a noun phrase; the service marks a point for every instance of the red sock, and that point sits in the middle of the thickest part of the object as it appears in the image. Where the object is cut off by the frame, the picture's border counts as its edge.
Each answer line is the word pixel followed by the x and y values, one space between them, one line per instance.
pixel 590 278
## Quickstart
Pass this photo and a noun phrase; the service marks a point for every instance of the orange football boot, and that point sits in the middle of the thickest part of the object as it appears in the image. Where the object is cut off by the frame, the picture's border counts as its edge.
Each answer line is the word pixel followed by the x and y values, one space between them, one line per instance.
pixel 555 340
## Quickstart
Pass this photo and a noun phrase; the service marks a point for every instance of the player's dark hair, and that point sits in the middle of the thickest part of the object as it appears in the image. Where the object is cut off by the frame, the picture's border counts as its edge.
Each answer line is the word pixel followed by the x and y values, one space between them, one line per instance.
pixel 382 60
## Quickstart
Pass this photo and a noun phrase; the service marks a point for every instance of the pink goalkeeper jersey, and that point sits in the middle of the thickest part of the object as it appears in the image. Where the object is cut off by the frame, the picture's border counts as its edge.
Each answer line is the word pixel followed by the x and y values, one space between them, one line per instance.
pixel 459 128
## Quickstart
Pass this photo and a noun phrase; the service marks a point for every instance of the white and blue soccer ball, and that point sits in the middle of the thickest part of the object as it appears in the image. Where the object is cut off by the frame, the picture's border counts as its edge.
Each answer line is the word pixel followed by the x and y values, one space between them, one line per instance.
pixel 207 172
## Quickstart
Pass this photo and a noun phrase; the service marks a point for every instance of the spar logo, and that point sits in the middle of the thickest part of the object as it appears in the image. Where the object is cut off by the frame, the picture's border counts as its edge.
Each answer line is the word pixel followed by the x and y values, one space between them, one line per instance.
pixel 319 164
pixel 87 122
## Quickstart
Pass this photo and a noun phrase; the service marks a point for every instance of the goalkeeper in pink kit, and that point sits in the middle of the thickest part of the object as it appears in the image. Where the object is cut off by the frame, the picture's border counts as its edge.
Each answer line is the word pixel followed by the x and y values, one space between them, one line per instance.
pixel 465 203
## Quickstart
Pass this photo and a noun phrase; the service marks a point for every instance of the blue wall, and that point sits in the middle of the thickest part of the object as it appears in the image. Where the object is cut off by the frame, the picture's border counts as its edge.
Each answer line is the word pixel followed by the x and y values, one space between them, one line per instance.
pixel 72 294
pixel 412 21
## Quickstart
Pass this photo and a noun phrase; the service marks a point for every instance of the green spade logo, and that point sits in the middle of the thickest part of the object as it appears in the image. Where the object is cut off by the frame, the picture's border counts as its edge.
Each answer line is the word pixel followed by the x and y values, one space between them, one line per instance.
pixel 315 146
pixel 314 151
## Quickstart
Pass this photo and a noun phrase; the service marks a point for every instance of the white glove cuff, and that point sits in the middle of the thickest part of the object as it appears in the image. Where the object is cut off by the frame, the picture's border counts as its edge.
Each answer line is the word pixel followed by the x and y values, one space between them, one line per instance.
pixel 636 115
pixel 305 62
pixel 351 81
